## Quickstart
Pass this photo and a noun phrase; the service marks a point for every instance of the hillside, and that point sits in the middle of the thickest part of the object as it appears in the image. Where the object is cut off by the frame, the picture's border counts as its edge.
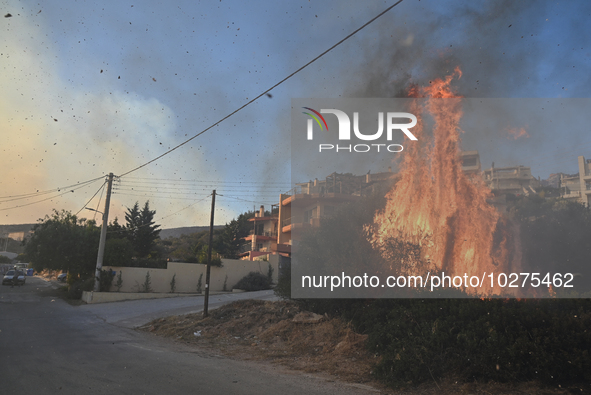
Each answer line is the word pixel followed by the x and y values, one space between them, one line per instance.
pixel 187 230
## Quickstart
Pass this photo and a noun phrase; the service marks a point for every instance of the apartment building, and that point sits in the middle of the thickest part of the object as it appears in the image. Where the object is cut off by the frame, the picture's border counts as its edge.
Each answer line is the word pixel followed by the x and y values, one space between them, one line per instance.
pixel 306 205
pixel 578 187
pixel 516 180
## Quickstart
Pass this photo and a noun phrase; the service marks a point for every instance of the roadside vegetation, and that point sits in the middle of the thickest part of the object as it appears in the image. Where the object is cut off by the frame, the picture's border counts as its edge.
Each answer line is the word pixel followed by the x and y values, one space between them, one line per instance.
pixel 420 341
pixel 64 242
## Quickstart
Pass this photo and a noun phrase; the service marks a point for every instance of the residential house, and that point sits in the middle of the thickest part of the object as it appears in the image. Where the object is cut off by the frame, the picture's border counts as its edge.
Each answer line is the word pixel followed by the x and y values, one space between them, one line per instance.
pixel 262 235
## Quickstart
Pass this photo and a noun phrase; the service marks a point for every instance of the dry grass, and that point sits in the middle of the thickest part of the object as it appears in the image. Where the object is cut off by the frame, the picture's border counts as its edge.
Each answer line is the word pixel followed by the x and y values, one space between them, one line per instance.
pixel 276 331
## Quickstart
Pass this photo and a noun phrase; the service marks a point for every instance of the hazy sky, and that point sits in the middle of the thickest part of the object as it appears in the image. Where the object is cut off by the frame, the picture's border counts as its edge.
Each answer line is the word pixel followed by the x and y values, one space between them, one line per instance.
pixel 89 88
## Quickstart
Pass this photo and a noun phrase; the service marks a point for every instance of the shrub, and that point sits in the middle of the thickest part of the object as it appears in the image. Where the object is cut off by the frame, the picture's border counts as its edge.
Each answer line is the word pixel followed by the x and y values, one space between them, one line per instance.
pixel 78 286
pixel 106 280
pixel 270 274
pixel 200 284
pixel 146 287
pixel 173 284
pixel 119 282
pixel 473 339
pixel 253 281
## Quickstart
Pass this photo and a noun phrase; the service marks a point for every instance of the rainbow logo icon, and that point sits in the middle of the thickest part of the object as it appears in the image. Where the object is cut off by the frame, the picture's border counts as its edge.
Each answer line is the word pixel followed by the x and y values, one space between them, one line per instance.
pixel 316 117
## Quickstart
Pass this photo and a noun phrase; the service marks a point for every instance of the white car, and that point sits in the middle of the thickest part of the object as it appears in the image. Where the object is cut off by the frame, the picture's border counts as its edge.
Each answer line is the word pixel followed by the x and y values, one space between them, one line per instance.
pixel 9 277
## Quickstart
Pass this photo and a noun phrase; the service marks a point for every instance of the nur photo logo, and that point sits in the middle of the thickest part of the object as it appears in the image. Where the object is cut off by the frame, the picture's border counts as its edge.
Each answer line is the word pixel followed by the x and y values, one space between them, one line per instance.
pixel 392 121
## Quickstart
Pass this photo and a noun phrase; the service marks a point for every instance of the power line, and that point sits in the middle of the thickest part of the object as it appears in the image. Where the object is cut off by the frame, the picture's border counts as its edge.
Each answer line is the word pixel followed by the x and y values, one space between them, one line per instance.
pixel 196 191
pixel 249 201
pixel 213 182
pixel 99 201
pixel 89 200
pixel 268 90
pixel 160 219
pixel 155 196
pixel 4 199
pixel 49 198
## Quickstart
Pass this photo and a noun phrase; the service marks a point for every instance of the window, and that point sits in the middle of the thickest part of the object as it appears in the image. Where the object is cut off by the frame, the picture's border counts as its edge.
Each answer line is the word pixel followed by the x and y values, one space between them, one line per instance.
pixel 308 215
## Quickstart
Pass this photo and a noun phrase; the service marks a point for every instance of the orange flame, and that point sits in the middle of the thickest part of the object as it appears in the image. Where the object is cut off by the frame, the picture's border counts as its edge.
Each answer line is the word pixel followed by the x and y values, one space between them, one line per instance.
pixel 517 133
pixel 436 207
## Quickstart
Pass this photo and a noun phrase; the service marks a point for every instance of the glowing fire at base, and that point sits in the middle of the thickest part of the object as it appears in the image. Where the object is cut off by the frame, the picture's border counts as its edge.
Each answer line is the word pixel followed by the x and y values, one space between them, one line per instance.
pixel 436 218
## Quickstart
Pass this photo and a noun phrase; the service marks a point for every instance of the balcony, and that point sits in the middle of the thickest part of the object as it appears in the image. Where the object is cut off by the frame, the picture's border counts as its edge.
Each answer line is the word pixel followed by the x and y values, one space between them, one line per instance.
pixel 281 248
pixel 265 233
pixel 299 221
pixel 248 248
pixel 570 194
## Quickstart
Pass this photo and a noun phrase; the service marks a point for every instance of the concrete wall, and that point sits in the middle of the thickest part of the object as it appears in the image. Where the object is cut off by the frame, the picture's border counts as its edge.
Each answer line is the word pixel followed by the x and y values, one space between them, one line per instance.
pixel 187 275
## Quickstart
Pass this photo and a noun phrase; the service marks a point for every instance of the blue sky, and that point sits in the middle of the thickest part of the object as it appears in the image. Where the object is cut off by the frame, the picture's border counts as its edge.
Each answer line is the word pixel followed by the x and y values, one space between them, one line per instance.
pixel 90 88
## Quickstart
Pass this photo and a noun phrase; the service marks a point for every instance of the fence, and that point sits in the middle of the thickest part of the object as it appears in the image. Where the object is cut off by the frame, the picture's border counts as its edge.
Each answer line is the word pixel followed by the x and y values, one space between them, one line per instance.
pixel 187 275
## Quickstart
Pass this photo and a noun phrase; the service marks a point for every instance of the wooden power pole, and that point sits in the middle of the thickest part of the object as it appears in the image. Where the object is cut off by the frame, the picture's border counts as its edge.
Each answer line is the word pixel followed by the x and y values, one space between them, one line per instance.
pixel 207 272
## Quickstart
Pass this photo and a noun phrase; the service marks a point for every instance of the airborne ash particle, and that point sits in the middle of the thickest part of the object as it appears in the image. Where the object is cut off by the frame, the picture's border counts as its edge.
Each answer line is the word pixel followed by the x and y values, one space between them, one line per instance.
pixel 7 15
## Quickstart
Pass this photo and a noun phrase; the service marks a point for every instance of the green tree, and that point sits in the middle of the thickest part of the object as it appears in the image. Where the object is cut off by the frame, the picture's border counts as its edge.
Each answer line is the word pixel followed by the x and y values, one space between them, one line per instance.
pixel 118 248
pixel 231 237
pixel 64 242
pixel 118 252
pixel 141 230
pixel 115 230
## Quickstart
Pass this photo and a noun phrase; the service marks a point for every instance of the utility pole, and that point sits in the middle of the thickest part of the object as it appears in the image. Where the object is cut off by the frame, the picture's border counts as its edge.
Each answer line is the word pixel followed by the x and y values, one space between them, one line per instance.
pixel 207 272
pixel 101 250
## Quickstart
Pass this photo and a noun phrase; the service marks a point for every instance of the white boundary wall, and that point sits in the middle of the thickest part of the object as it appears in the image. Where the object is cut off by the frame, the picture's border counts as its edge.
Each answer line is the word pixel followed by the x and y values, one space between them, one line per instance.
pixel 187 275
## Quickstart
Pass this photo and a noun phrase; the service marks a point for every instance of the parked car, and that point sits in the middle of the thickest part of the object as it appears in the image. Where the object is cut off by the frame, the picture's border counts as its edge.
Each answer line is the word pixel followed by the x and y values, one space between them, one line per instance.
pixel 10 275
pixel 62 277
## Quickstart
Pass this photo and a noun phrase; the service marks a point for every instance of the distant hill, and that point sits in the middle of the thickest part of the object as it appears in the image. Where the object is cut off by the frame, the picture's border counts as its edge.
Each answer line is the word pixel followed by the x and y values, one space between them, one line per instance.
pixel 178 232
pixel 15 228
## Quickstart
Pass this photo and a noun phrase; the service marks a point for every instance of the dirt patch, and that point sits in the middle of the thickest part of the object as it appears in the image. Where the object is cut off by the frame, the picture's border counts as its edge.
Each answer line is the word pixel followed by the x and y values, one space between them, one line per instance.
pixel 282 333
pixel 276 331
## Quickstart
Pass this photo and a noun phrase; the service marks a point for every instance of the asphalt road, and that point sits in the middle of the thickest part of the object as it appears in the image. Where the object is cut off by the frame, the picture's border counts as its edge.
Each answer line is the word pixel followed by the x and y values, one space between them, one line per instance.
pixel 50 347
